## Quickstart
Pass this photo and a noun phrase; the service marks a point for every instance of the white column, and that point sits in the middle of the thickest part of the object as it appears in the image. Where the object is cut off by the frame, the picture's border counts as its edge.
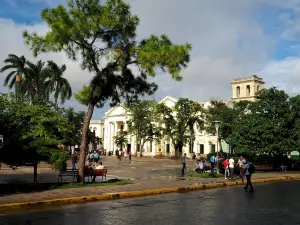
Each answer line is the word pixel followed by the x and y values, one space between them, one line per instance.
pixel 110 137
pixel 115 133
pixel 153 153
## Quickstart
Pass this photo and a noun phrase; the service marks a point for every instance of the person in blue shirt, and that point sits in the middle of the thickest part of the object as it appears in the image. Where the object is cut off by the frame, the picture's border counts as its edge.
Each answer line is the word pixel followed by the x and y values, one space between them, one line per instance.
pixel 248 177
pixel 183 160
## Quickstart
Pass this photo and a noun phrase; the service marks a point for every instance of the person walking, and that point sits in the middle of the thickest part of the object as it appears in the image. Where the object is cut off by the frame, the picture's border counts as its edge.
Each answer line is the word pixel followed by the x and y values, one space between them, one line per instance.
pixel 74 161
pixel 212 163
pixel 226 168
pixel 241 164
pixel 231 167
pixel 129 156
pixel 183 160
pixel 249 169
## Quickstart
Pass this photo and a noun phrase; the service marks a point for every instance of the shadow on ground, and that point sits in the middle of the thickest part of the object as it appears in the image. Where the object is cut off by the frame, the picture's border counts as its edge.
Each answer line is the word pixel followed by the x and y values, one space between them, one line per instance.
pixel 18 188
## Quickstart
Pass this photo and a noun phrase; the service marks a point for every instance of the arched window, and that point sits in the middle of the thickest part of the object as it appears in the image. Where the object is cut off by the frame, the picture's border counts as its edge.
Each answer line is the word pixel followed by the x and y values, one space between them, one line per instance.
pixel 248 90
pixel 238 91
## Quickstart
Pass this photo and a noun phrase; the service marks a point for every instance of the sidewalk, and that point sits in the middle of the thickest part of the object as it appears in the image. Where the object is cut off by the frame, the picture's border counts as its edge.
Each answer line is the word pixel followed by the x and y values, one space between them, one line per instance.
pixel 136 185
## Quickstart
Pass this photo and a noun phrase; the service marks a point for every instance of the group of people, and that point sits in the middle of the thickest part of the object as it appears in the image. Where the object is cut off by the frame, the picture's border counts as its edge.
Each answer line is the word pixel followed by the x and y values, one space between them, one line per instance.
pixel 123 153
pixel 246 168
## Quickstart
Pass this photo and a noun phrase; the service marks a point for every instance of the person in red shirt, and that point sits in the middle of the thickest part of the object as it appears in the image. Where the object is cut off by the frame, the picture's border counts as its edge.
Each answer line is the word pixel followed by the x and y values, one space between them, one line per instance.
pixel 225 164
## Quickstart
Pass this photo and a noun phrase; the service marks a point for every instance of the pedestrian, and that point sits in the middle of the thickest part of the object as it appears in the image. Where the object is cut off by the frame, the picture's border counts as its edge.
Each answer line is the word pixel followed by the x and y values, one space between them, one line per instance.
pixel 96 157
pixel 231 167
pixel 212 163
pixel 226 168
pixel 241 164
pixel 118 155
pixel 129 156
pixel 197 169
pixel 183 160
pixel 74 161
pixel 249 168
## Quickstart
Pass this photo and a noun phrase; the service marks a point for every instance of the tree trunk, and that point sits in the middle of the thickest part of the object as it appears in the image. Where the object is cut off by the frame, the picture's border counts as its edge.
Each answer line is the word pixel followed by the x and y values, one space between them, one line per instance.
pixel 83 142
pixel 55 103
pixel 35 173
pixel 221 153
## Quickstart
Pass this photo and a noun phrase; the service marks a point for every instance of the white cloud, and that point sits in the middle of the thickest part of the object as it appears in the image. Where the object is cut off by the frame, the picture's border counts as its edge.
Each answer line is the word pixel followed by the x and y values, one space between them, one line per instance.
pixel 228 42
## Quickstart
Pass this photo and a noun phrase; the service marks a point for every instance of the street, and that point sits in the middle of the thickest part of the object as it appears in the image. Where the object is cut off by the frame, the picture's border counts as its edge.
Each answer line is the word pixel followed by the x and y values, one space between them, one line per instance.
pixel 276 203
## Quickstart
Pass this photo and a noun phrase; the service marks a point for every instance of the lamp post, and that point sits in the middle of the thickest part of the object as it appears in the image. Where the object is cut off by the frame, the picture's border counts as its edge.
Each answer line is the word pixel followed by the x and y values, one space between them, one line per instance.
pixel 217 124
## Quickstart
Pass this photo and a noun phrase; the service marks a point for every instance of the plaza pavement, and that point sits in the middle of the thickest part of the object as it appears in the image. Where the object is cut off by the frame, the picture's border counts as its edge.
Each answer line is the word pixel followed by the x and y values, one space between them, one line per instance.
pixel 143 173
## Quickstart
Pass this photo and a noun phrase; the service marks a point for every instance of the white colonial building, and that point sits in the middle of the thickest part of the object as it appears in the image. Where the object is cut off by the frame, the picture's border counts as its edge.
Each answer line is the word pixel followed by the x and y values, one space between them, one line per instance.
pixel 115 120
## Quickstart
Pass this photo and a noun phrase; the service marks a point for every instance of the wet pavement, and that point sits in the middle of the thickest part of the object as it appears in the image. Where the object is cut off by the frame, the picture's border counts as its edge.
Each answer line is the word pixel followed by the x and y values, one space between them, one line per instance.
pixel 276 203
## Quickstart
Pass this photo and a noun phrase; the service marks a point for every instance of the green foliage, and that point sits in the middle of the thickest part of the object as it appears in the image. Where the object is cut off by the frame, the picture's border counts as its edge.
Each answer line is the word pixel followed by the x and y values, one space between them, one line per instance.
pixel 121 139
pixel 72 138
pixel 105 183
pixel 77 30
pixel 58 158
pixel 266 126
pixel 141 122
pixel 179 123
pixel 83 95
pixel 205 175
pixel 36 81
pixel 31 133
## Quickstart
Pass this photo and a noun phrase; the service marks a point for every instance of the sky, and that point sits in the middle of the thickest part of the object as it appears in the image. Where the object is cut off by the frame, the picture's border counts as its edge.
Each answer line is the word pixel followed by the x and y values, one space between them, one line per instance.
pixel 230 39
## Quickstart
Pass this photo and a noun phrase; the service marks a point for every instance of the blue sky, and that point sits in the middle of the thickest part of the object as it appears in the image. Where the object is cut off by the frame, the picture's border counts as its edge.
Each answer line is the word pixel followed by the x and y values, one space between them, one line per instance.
pixel 230 39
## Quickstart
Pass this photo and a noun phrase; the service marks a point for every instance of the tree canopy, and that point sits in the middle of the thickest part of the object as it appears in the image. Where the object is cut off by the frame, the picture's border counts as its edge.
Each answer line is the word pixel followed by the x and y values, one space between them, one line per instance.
pixel 178 124
pixel 141 122
pixel 102 38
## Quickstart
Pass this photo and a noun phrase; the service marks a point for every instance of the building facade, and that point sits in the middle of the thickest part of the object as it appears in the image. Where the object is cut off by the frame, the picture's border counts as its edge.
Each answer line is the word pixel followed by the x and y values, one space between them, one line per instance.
pixel 115 120
pixel 246 88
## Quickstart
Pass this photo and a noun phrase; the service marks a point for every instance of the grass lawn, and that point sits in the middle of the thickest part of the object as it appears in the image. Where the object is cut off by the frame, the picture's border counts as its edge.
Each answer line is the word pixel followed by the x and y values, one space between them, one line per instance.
pixel 97 184
pixel 205 175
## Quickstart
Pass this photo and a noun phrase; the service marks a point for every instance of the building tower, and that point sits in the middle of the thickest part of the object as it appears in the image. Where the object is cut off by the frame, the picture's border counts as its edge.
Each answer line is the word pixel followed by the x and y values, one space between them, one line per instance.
pixel 246 88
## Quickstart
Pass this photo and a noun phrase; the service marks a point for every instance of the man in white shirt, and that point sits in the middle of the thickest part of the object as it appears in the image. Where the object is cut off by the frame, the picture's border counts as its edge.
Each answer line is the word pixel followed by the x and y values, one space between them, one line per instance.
pixel 231 167
pixel 99 166
pixel 241 164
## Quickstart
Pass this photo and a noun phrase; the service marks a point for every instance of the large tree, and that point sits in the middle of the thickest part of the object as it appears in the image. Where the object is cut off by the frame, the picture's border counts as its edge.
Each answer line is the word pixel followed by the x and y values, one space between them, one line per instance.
pixel 57 83
pixel 265 126
pixel 226 113
pixel 31 134
pixel 34 83
pixel 178 124
pixel 16 66
pixel 102 36
pixel 141 123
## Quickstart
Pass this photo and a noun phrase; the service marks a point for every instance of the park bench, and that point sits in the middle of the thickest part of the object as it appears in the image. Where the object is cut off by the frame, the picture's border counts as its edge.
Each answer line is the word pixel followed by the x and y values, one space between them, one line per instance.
pixel 68 173
pixel 97 173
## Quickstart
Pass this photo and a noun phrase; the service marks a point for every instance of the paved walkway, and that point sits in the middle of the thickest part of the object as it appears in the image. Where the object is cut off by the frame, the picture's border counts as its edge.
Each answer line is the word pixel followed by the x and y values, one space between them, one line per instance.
pixel 136 185
pixel 143 173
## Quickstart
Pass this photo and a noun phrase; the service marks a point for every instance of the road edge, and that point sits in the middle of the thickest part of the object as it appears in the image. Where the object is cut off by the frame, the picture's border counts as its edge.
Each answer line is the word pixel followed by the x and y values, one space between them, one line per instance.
pixel 120 195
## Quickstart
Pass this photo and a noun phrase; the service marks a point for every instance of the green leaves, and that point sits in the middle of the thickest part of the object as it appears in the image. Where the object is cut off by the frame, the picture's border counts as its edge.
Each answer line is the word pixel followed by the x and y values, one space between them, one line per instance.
pixel 180 122
pixel 141 122
pixel 121 139
pixel 267 125
pixel 107 32
pixel 31 132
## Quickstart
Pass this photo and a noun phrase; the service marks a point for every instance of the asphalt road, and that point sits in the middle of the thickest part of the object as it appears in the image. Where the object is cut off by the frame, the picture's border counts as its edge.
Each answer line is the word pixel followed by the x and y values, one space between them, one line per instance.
pixel 276 203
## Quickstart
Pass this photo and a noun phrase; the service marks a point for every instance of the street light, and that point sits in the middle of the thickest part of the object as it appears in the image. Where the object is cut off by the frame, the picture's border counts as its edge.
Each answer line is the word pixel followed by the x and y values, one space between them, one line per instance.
pixel 217 124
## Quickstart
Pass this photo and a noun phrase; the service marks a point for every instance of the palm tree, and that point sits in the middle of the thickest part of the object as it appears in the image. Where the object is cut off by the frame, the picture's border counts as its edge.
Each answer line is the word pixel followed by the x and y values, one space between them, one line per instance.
pixel 16 66
pixel 34 82
pixel 57 83
pixel 121 139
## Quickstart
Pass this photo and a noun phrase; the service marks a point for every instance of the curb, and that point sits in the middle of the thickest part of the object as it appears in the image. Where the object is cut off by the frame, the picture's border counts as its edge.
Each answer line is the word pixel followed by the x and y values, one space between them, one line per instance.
pixel 120 195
